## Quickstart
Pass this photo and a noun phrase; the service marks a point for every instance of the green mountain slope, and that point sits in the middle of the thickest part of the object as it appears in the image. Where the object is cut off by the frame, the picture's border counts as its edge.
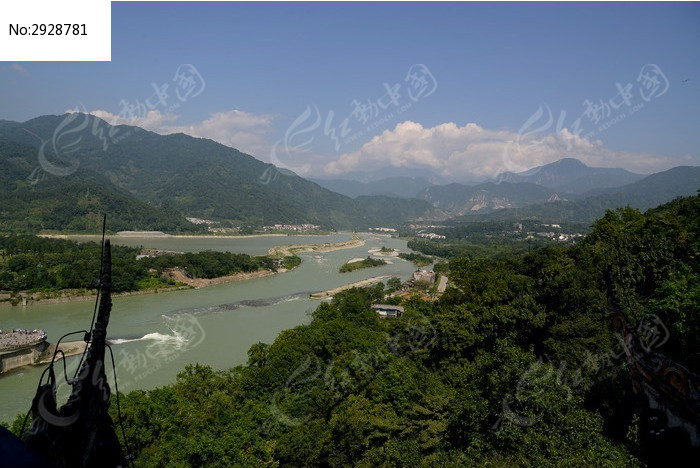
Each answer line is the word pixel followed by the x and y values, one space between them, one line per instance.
pixel 74 203
pixel 200 177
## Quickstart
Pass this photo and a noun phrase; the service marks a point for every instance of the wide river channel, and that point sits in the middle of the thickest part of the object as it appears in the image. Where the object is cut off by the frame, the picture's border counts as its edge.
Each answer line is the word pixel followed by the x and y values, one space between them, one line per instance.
pixel 154 336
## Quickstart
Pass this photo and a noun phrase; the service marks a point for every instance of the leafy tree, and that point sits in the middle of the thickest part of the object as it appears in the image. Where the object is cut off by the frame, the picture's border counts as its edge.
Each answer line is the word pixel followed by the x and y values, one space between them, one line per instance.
pixel 393 284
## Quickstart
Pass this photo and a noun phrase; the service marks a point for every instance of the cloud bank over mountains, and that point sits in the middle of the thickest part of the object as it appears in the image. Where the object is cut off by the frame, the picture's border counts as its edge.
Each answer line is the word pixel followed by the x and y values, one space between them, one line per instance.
pixel 241 130
pixel 454 152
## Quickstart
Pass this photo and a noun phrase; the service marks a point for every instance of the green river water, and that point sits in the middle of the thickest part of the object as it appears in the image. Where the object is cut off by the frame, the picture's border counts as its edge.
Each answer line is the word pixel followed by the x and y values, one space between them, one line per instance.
pixel 155 335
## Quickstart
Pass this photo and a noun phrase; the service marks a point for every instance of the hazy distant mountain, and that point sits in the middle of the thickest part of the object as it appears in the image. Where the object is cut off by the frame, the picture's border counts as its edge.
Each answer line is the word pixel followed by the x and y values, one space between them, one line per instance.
pixel 402 187
pixel 200 177
pixel 572 176
pixel 461 199
pixel 649 192
pixel 389 172
pixel 658 188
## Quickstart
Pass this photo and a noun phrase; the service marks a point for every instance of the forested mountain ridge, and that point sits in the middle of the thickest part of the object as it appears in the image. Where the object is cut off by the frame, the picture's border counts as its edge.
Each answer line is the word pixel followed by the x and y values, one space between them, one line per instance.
pixel 151 181
pixel 200 177
pixel 31 200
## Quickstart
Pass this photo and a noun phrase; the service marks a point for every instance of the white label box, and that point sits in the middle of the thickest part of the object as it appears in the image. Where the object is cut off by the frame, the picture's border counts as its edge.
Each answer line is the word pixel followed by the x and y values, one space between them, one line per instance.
pixel 55 30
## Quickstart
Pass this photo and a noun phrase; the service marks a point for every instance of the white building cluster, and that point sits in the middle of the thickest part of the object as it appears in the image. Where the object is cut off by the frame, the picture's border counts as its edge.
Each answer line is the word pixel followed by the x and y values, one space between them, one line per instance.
pixel 292 227
pixel 430 235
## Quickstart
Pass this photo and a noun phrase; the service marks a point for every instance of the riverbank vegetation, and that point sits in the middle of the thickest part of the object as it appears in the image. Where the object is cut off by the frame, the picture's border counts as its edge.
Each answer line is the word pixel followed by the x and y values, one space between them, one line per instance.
pixel 517 364
pixel 418 259
pixel 368 262
pixel 477 248
pixel 209 264
pixel 36 264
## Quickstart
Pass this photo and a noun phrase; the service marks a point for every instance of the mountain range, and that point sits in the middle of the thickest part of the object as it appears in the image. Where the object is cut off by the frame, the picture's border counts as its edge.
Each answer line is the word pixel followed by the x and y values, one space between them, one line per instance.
pixel 565 179
pixel 570 175
pixel 460 199
pixel 646 193
pixel 161 173
pixel 61 172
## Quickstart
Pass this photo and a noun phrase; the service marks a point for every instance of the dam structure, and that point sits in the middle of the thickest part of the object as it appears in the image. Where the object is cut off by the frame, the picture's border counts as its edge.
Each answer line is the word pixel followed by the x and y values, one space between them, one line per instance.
pixel 20 348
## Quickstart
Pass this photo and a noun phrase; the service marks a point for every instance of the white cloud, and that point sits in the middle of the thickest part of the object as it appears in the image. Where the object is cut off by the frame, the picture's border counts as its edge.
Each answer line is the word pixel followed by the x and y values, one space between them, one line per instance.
pixel 154 120
pixel 16 67
pixel 235 128
pixel 451 151
pixel 457 152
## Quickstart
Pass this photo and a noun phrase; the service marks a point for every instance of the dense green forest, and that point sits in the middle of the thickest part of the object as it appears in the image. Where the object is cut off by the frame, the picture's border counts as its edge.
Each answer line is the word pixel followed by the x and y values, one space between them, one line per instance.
pixel 30 263
pixel 210 264
pixel 473 248
pixel 515 365
pixel 35 263
pixel 32 200
pixel 366 263
pixel 418 259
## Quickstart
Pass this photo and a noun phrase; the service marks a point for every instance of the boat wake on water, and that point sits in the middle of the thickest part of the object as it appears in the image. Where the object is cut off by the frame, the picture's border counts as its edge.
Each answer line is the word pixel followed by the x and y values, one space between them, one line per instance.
pixel 155 336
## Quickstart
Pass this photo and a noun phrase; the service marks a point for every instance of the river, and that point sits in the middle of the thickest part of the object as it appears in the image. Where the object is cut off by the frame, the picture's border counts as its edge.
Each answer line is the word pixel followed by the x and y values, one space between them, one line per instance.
pixel 155 336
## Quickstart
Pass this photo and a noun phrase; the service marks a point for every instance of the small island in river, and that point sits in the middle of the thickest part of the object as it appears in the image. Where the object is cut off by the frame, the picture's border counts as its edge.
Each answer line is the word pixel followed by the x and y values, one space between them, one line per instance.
pixel 356 264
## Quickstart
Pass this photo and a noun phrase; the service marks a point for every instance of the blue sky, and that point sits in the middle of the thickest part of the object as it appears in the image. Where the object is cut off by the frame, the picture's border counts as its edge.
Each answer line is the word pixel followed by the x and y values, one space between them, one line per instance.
pixel 494 66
